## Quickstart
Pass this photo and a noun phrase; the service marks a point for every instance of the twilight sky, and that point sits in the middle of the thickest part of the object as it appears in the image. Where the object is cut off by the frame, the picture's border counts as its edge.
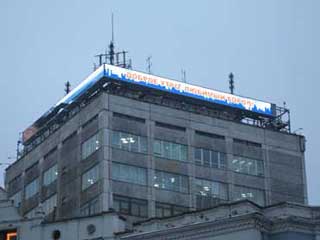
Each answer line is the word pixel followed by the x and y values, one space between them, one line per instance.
pixel 271 46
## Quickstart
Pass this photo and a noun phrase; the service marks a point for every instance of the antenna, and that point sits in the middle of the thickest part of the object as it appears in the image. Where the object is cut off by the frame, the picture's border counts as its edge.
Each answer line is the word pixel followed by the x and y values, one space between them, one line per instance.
pixel 111 45
pixel 149 64
pixel 112 38
pixel 231 83
pixel 183 76
pixel 68 87
pixel 110 56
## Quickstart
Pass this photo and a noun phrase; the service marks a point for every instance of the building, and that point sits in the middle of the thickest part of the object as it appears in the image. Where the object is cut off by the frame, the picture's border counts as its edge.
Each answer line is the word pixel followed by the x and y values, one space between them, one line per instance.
pixel 241 220
pixel 148 147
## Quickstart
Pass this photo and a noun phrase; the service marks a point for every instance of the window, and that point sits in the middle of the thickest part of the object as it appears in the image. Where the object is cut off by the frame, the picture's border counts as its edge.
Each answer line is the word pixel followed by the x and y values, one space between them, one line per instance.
pixel 32 189
pixel 16 198
pixel 90 177
pixel 127 117
pixel 252 194
pixel 50 175
pixel 50 204
pixel 247 143
pixel 130 206
pixel 208 158
pixel 170 150
pixel 167 210
pixel 129 142
pixel 90 208
pixel 171 181
pixel 211 189
pixel 170 126
pixel 210 135
pixel 90 146
pixel 247 166
pixel 31 213
pixel 128 173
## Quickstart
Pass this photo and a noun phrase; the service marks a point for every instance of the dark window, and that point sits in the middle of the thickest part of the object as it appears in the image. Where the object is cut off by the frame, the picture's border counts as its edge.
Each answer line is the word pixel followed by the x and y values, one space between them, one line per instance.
pixel 170 126
pixel 90 121
pixel 247 143
pixel 90 208
pixel 210 135
pixel 130 206
pixel 128 117
pixel 167 210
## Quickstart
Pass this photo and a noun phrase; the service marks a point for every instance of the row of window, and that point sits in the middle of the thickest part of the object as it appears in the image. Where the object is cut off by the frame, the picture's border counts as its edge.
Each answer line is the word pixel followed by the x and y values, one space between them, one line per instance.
pixel 139 207
pixel 46 208
pixel 174 151
pixel 162 180
pixel 180 183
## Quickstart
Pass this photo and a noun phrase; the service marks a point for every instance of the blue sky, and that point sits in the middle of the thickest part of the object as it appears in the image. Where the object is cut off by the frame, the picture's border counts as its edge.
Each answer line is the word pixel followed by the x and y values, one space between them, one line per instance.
pixel 271 46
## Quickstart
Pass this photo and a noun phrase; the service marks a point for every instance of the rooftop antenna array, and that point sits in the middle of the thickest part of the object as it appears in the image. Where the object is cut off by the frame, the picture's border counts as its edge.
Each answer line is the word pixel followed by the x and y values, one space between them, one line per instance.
pixel 111 56
pixel 231 83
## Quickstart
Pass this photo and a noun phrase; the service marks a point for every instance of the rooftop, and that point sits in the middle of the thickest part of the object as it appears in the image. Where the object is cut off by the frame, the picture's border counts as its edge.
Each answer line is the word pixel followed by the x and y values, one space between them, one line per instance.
pixel 157 90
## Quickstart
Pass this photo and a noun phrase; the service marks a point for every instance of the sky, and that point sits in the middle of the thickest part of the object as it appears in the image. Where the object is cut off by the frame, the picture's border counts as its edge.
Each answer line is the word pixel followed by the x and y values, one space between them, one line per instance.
pixel 271 46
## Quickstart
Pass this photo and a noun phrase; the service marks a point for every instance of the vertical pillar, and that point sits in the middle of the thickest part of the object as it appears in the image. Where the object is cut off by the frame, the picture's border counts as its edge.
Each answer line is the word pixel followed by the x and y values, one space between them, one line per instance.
pixel 151 171
pixel 105 161
pixel 230 175
pixel 191 170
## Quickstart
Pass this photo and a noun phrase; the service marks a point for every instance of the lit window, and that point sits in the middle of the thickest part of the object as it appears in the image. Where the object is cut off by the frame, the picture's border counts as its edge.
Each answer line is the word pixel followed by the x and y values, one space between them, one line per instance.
pixel 128 173
pixel 90 146
pixel 211 189
pixel 247 166
pixel 90 177
pixel 50 175
pixel 252 194
pixel 129 142
pixel 171 181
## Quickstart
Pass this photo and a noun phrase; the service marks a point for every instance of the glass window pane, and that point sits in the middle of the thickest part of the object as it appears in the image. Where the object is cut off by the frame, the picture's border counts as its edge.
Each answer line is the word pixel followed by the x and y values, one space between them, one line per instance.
pixel 206 157
pixel 90 146
pixel 127 173
pixel 167 153
pixel 184 153
pixel 197 156
pixel 171 181
pixel 214 159
pixel 90 177
pixel 124 141
pixel 50 175
pixel 223 162
pixel 157 148
pixel 115 139
pixel 247 166
pixel 143 144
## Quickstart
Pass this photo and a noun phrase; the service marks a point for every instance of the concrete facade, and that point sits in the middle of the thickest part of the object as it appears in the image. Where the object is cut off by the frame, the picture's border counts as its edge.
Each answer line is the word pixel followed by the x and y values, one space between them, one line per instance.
pixel 281 154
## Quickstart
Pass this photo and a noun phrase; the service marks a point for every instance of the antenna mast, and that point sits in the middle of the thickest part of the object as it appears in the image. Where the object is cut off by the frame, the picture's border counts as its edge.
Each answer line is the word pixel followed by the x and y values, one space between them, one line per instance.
pixel 231 83
pixel 149 64
pixel 112 38
pixel 111 56
pixel 183 75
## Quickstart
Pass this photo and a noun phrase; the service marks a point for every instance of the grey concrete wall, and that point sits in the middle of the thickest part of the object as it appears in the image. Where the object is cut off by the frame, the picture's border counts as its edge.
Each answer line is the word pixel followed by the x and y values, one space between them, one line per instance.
pixel 281 153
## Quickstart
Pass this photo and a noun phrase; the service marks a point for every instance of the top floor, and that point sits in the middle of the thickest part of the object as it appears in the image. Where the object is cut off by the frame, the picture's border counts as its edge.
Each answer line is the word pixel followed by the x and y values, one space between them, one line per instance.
pixel 160 91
